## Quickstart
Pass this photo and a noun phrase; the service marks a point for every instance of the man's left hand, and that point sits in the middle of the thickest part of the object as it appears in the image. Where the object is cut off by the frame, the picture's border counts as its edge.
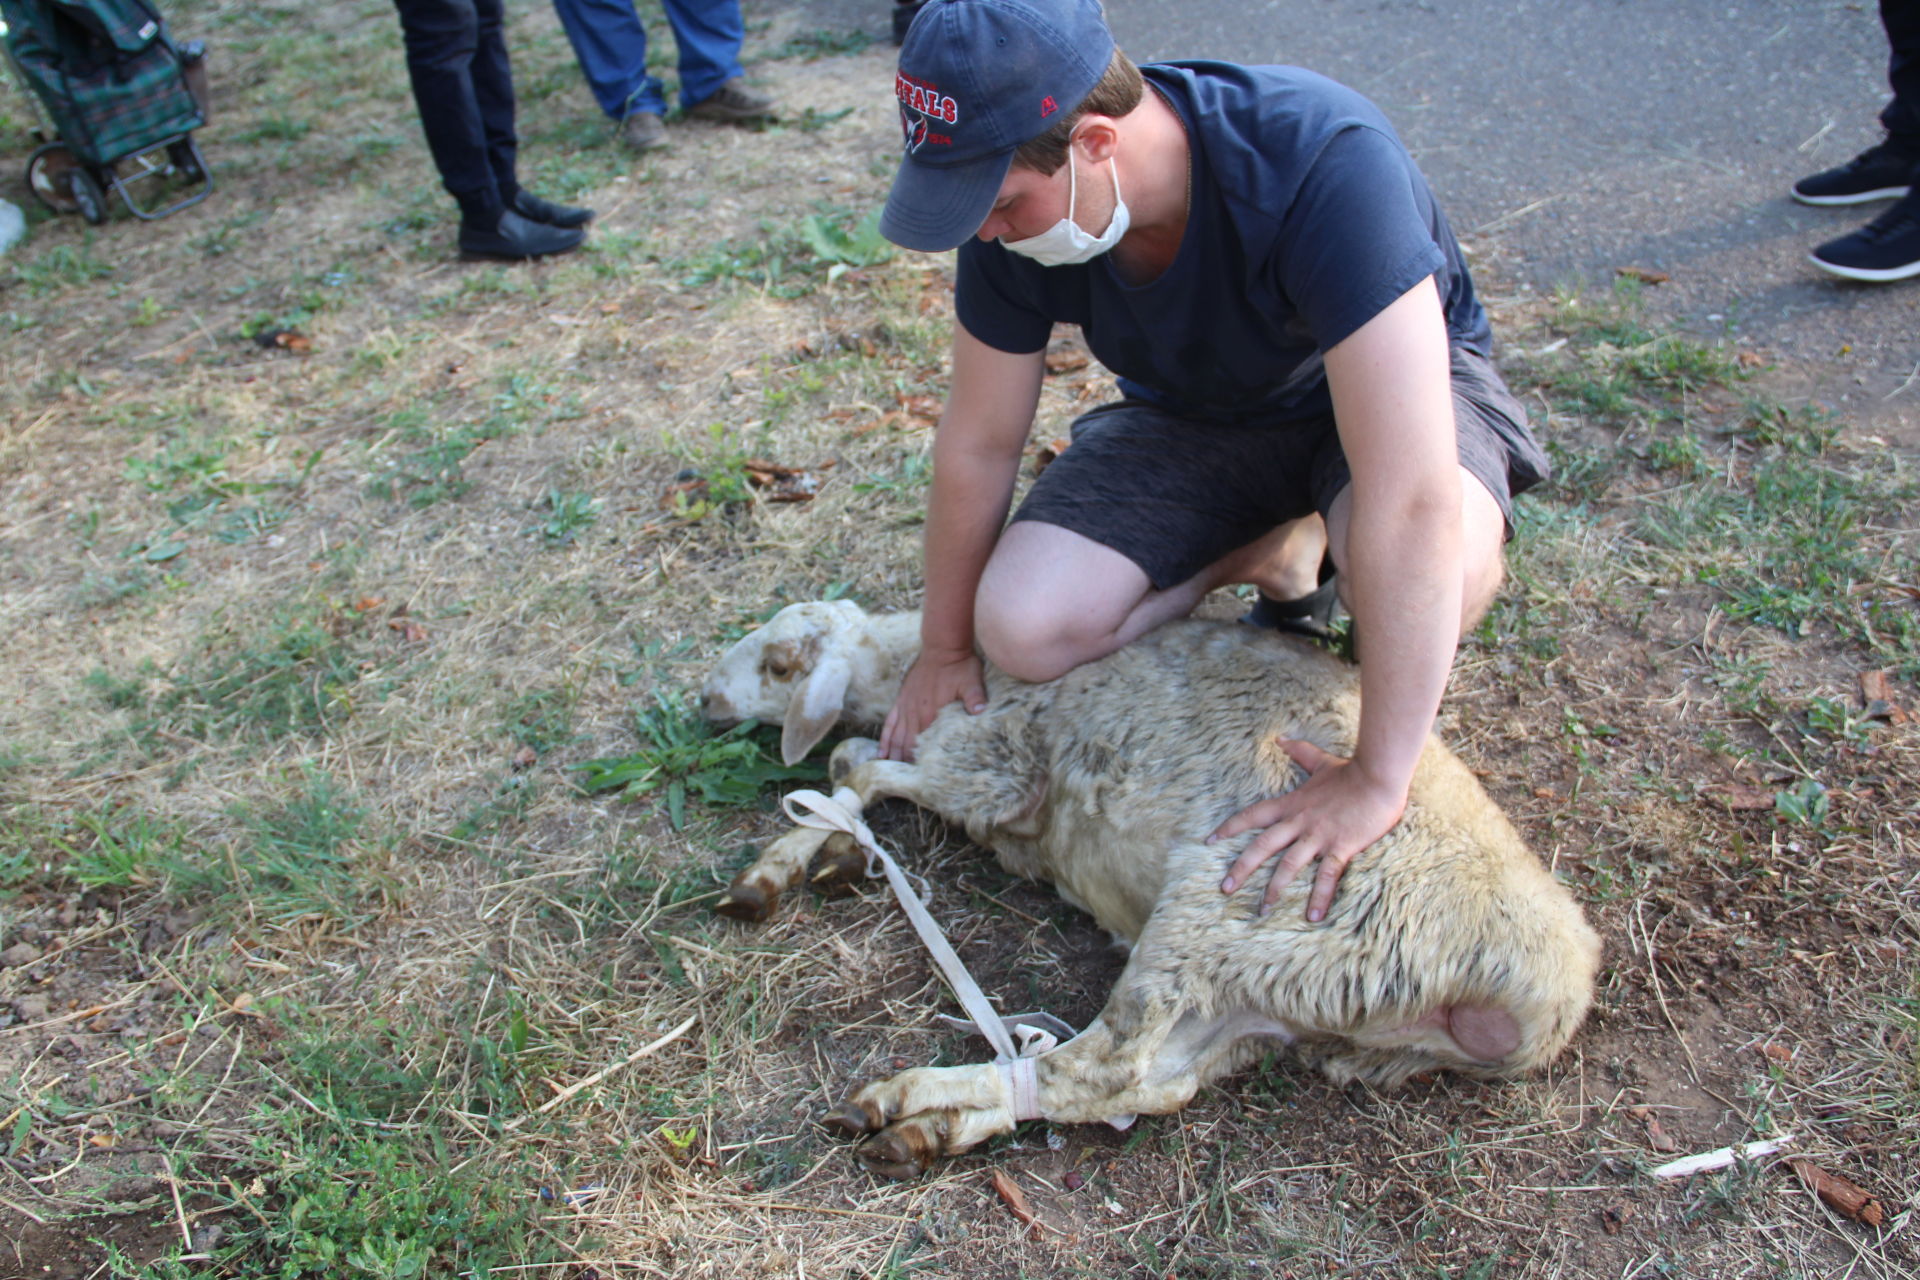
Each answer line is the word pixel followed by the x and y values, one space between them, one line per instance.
pixel 1332 816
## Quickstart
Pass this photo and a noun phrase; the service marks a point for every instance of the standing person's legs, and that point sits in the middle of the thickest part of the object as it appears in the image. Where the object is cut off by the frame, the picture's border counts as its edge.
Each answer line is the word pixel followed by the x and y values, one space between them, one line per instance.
pixel 611 46
pixel 442 39
pixel 1901 18
pixel 1888 248
pixel 709 34
pixel 493 93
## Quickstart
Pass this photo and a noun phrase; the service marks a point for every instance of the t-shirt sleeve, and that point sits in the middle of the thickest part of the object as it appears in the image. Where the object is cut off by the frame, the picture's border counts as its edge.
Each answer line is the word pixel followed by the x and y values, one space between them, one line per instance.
pixel 991 304
pixel 1356 236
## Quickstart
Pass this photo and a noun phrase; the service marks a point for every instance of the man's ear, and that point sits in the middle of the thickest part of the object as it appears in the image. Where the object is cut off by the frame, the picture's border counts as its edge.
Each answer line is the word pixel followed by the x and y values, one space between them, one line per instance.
pixel 817 710
pixel 1097 137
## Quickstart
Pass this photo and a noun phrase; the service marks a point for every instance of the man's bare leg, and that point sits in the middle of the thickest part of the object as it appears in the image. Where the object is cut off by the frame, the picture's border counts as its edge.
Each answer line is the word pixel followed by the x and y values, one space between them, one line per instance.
pixel 1051 599
pixel 1483 540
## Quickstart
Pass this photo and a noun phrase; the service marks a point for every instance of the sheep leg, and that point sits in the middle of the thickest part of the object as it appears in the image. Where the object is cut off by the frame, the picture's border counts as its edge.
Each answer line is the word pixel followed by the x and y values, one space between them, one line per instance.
pixel 755 893
pixel 1145 1054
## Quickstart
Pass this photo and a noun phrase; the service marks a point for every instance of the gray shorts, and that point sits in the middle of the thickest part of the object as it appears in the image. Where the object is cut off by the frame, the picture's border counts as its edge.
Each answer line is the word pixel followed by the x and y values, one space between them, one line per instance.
pixel 1175 494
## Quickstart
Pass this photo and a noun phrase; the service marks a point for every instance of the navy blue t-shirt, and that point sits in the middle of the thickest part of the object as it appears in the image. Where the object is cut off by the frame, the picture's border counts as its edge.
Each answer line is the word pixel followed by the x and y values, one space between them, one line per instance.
pixel 1308 217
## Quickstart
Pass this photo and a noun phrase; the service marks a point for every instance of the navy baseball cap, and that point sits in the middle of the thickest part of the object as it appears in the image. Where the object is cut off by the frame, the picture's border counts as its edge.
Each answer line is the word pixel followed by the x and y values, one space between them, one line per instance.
pixel 977 78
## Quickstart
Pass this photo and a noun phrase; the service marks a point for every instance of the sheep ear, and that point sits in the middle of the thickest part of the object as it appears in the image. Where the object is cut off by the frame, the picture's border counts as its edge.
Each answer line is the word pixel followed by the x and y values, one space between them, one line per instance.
pixel 818 709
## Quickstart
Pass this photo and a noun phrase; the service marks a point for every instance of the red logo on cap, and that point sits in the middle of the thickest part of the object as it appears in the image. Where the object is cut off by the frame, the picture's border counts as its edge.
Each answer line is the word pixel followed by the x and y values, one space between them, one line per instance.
pixel 1048 106
pixel 925 99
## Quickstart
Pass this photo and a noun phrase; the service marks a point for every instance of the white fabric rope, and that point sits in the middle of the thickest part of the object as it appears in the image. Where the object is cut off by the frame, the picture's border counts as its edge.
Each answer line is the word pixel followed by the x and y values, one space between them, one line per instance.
pixel 1036 1033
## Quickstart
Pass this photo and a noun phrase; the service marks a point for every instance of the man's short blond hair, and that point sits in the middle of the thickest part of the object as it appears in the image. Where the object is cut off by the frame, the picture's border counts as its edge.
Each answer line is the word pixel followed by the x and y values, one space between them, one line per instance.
pixel 1117 92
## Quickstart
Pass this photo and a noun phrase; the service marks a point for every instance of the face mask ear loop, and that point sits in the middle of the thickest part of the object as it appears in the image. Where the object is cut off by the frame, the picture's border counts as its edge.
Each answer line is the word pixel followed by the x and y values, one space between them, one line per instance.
pixel 1073 181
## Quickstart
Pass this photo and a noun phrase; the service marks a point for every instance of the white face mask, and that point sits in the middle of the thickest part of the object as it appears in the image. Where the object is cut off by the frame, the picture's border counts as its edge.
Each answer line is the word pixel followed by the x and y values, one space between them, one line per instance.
pixel 1067 242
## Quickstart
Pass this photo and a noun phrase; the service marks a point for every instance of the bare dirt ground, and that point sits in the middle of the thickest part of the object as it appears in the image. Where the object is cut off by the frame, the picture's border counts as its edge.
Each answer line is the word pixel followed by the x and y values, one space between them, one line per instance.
pixel 316 960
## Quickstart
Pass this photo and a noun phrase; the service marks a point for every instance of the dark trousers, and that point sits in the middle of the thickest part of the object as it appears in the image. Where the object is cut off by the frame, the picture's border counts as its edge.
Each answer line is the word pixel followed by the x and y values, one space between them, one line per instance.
pixel 1901 18
pixel 457 60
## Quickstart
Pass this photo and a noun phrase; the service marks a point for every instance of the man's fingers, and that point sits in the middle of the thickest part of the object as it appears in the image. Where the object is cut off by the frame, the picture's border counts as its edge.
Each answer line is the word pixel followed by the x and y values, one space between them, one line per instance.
pixel 1306 755
pixel 1298 856
pixel 1265 813
pixel 1258 851
pixel 1331 869
pixel 895 742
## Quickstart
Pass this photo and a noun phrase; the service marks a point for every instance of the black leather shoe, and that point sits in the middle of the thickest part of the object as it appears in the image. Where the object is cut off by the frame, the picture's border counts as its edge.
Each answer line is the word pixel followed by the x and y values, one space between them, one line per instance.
pixel 528 205
pixel 518 237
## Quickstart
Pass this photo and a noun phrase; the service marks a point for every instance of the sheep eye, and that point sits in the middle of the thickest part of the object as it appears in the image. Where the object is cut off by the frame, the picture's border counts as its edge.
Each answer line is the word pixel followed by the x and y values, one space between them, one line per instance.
pixel 779 670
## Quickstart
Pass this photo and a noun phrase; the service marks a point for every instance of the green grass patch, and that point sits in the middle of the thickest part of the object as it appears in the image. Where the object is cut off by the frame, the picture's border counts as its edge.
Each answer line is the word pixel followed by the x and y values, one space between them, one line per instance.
pixel 298 671
pixel 64 266
pixel 1613 365
pixel 683 757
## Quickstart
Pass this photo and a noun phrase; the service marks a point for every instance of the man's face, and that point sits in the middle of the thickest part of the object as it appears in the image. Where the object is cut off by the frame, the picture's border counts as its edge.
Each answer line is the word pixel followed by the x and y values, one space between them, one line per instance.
pixel 1029 202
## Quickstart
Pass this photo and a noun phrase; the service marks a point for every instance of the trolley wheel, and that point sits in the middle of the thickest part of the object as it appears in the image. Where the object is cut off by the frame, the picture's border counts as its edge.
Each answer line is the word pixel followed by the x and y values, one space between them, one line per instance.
pixel 88 198
pixel 47 170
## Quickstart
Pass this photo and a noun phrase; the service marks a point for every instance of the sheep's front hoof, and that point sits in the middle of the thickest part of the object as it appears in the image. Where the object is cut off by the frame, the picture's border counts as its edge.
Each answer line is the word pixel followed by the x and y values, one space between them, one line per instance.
pixel 841 866
pixel 850 1120
pixel 898 1153
pixel 850 755
pixel 747 899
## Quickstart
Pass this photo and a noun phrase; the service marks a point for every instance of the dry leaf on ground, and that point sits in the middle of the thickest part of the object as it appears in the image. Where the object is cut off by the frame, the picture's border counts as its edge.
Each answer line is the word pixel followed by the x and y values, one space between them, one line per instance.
pixel 1876 691
pixel 1659 1139
pixel 1016 1199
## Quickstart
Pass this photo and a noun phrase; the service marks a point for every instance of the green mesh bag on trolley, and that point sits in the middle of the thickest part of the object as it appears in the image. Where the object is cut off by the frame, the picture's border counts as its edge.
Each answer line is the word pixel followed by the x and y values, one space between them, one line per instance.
pixel 106 72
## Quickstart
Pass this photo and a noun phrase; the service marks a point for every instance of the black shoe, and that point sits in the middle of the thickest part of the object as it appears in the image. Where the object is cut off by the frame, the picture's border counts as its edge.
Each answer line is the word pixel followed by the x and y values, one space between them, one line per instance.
pixel 532 207
pixel 1888 248
pixel 517 237
pixel 1884 172
pixel 1311 615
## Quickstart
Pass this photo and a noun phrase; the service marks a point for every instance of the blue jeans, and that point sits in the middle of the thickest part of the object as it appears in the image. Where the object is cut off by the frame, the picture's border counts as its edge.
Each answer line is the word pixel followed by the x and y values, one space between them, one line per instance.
pixel 611 45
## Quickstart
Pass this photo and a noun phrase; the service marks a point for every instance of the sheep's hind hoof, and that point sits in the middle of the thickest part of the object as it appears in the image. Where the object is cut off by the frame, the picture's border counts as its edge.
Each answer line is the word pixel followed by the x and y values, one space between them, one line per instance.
pixel 746 900
pixel 849 1120
pixel 894 1154
pixel 841 866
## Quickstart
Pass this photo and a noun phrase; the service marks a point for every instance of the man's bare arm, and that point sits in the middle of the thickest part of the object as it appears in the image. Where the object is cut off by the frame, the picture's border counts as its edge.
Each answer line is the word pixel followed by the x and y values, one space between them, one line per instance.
pixel 976 458
pixel 1403 577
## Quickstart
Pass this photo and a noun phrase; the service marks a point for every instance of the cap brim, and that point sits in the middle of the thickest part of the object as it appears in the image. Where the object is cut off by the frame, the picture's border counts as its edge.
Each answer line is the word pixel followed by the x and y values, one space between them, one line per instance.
pixel 934 208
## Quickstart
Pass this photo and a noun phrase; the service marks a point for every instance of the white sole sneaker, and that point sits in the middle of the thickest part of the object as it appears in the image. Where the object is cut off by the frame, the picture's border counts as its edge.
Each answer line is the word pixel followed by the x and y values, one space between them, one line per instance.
pixel 1864 197
pixel 1873 275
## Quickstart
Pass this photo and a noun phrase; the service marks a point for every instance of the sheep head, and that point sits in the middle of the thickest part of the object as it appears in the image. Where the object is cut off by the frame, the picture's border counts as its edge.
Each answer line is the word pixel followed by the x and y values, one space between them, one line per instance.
pixel 795 669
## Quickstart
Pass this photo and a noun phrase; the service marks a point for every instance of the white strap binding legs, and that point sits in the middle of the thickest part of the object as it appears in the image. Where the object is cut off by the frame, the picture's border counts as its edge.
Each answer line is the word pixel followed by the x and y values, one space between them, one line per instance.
pixel 1036 1032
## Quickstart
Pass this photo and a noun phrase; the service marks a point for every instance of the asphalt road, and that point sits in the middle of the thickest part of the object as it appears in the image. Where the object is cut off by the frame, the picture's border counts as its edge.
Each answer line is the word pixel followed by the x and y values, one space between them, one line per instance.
pixel 1567 138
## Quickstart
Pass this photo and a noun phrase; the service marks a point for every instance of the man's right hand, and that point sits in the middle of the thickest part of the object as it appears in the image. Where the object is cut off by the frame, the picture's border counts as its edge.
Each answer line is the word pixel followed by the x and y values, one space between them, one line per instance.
pixel 934 680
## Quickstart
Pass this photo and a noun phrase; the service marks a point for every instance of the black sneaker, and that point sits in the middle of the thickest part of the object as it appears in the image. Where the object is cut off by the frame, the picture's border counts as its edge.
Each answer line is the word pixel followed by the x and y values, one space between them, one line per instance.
pixel 1884 172
pixel 530 206
pixel 1888 248
pixel 517 237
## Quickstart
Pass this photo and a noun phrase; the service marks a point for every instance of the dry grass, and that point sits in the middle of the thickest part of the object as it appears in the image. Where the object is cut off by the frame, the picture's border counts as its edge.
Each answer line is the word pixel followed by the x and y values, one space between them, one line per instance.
pixel 289 816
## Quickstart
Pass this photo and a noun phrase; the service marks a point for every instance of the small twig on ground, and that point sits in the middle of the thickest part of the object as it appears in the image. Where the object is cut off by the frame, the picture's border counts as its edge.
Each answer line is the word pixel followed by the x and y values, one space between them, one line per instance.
pixel 1903 386
pixel 1707 1161
pixel 602 1074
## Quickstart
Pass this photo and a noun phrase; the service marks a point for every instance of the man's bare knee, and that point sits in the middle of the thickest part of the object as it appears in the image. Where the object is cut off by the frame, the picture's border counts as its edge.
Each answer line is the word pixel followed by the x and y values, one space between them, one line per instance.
pixel 1024 643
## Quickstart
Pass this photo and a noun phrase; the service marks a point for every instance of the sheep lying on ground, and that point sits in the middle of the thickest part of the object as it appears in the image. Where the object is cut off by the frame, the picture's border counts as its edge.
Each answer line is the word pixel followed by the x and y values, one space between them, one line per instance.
pixel 1448 944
